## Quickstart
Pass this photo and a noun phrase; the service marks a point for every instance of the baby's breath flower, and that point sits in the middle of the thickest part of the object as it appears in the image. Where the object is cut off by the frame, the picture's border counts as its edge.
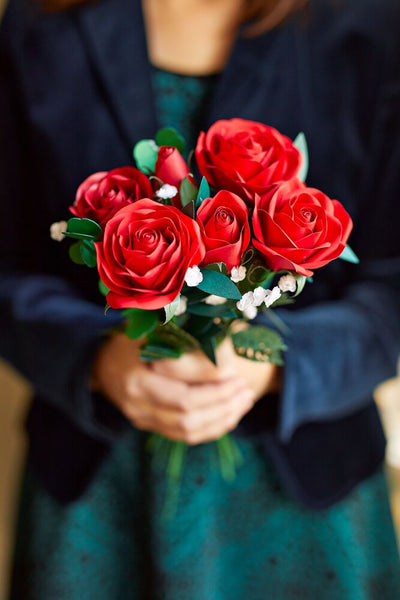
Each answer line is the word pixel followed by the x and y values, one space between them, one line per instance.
pixel 56 230
pixel 287 283
pixel 166 192
pixel 214 300
pixel 272 296
pixel 193 276
pixel 238 274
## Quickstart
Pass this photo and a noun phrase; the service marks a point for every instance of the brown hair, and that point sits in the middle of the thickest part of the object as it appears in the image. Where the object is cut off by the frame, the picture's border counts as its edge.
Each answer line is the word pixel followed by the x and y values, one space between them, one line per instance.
pixel 265 14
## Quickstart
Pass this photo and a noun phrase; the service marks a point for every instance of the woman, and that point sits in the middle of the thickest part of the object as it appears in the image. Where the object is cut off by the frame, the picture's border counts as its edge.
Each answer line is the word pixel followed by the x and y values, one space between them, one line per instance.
pixel 307 515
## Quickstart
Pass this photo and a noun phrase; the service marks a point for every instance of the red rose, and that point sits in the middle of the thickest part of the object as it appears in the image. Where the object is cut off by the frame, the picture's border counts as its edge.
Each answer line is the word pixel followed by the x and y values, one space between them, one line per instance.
pixel 245 157
pixel 171 168
pixel 101 195
pixel 145 253
pixel 227 231
pixel 299 228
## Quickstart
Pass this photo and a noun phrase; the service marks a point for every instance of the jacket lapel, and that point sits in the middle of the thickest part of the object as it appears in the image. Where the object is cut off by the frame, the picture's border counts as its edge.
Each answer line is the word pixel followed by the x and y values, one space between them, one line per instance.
pixel 114 36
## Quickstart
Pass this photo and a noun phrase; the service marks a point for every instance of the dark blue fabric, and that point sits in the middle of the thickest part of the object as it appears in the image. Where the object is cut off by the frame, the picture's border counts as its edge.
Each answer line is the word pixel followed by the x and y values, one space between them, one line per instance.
pixel 75 95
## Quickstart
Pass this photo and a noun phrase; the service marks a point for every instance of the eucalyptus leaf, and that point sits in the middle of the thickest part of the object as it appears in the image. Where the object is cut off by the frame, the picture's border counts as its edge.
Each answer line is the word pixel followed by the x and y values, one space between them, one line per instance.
pixel 80 236
pixel 218 284
pixel 75 253
pixel 207 310
pixel 209 347
pixel 145 154
pixel 188 192
pixel 301 144
pixel 83 228
pixel 171 308
pixel 168 136
pixel 204 192
pixel 350 256
pixel 260 344
pixel 88 253
pixel 140 322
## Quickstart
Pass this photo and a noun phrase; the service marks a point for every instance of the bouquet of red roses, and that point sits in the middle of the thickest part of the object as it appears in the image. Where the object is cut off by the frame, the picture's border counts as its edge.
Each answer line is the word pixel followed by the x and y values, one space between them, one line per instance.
pixel 188 248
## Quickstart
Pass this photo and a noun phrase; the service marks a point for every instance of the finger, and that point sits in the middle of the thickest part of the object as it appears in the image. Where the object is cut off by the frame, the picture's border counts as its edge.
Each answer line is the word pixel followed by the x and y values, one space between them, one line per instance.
pixel 170 393
pixel 210 424
pixel 193 367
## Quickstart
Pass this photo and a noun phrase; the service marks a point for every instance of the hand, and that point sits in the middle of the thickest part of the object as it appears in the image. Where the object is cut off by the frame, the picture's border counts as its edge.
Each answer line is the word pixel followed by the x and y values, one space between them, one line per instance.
pixel 195 411
pixel 260 377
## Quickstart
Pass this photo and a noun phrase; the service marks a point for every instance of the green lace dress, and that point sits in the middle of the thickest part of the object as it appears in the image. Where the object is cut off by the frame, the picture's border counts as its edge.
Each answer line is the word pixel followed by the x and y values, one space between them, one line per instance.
pixel 244 540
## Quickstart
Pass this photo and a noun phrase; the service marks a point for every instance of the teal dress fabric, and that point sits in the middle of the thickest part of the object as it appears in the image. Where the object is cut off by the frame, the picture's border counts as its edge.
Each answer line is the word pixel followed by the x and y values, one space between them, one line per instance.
pixel 242 540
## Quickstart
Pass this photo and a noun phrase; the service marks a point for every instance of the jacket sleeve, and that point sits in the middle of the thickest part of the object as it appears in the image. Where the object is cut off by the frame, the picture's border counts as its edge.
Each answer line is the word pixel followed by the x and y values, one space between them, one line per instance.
pixel 47 331
pixel 339 351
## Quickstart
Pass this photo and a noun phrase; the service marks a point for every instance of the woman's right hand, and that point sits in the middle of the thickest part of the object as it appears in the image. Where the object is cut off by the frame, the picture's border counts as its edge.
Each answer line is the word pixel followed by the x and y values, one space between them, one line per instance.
pixel 191 412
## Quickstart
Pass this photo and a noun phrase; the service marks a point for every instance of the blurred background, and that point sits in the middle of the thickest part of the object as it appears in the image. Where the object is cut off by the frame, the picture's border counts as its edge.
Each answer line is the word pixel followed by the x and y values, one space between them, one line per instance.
pixel 14 402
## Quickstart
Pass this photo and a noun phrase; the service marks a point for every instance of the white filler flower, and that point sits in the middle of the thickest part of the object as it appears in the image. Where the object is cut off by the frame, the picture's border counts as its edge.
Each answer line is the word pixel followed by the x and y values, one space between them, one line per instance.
pixel 250 312
pixel 56 231
pixel 287 283
pixel 238 274
pixel 272 296
pixel 214 300
pixel 259 296
pixel 246 301
pixel 166 192
pixel 182 306
pixel 193 276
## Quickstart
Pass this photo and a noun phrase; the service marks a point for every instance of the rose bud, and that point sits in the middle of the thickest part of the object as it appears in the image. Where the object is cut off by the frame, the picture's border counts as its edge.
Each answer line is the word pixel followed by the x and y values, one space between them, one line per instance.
pixel 298 228
pixel 102 194
pixel 171 168
pixel 246 157
pixel 227 231
pixel 146 251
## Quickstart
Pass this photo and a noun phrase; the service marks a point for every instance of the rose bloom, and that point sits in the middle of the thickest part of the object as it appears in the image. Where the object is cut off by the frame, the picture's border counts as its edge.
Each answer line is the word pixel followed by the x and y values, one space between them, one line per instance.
pixel 102 194
pixel 227 231
pixel 245 157
pixel 145 253
pixel 171 168
pixel 298 228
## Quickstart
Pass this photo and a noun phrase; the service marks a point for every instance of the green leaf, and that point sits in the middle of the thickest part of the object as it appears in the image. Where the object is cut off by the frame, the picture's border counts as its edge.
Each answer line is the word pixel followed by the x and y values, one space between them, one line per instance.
pixel 188 192
pixel 301 144
pixel 83 229
pixel 103 289
pixel 350 256
pixel 259 343
pixel 151 352
pixel 301 282
pixel 208 310
pixel 140 322
pixel 75 253
pixel 168 136
pixel 88 253
pixel 219 284
pixel 145 154
pixel 209 346
pixel 203 193
pixel 171 308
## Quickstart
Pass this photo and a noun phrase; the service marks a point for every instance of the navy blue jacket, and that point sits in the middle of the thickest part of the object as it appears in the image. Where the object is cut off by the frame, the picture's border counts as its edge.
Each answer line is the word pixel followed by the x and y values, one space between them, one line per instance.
pixel 75 95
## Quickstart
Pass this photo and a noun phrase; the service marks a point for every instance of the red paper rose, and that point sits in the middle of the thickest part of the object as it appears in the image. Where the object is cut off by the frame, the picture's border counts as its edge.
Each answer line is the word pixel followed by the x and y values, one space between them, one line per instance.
pixel 245 157
pixel 171 168
pixel 227 231
pixel 299 228
pixel 102 194
pixel 145 253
